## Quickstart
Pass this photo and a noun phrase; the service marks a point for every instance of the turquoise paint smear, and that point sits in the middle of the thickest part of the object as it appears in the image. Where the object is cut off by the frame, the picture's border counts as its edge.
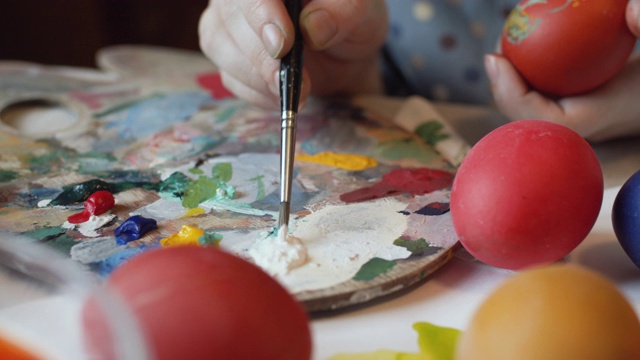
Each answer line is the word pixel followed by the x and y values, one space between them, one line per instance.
pixel 236 207
pixel 261 192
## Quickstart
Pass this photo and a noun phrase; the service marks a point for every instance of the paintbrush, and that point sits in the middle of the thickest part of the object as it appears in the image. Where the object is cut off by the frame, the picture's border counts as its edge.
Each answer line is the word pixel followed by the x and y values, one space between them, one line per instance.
pixel 290 86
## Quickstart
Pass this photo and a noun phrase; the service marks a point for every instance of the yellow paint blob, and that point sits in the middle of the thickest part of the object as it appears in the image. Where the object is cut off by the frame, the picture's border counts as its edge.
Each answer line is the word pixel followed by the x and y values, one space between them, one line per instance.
pixel 352 162
pixel 188 235
pixel 194 212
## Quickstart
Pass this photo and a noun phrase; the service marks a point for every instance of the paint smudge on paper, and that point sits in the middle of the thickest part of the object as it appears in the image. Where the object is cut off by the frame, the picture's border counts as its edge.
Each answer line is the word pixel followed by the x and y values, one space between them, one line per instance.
pixel 97 204
pixel 435 343
pixel 417 181
pixel 353 162
pixel 373 268
pixel 278 253
pixel 133 229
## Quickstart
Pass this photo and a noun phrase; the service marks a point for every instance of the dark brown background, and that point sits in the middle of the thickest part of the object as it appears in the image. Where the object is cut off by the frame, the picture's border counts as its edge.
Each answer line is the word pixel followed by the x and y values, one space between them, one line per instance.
pixel 69 32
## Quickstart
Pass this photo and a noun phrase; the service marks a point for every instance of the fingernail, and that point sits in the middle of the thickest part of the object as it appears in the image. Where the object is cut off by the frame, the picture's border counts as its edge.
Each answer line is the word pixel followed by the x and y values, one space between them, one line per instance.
pixel 273 39
pixel 320 28
pixel 491 67
pixel 274 86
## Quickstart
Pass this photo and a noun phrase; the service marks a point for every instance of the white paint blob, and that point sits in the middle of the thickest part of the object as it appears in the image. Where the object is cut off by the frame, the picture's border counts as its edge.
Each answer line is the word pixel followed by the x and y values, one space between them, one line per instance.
pixel 279 254
pixel 339 239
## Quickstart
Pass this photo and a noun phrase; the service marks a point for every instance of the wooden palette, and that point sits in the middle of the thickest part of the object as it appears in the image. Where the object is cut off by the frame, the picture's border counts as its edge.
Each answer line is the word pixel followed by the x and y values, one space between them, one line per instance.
pixel 128 124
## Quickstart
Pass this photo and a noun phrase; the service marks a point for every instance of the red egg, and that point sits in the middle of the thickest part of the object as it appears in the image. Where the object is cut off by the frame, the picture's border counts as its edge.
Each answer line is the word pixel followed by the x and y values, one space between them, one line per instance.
pixel 526 194
pixel 567 47
pixel 203 303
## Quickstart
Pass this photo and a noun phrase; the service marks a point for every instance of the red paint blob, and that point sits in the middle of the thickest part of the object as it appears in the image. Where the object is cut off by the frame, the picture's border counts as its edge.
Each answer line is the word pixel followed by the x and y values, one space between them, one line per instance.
pixel 418 181
pixel 98 203
pixel 212 82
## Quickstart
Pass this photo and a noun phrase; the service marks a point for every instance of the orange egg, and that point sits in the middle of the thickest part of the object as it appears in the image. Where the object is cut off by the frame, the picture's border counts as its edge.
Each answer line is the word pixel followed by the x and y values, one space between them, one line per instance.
pixel 557 312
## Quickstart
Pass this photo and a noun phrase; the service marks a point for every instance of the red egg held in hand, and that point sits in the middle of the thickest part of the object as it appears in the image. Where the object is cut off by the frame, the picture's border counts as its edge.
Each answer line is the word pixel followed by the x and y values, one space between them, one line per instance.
pixel 202 303
pixel 526 194
pixel 567 47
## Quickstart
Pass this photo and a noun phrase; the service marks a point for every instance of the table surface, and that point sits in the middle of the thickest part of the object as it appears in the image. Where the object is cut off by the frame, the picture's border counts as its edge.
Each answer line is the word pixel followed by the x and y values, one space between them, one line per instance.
pixel 451 295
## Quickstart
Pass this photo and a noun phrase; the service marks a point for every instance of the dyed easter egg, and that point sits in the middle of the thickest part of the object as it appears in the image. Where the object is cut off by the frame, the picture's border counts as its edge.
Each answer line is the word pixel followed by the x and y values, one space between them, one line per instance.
pixel 555 312
pixel 197 302
pixel 526 194
pixel 567 47
pixel 625 217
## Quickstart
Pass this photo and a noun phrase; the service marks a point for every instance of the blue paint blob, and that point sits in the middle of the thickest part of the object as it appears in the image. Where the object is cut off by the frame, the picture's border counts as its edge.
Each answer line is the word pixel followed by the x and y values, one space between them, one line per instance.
pixel 106 266
pixel 625 217
pixel 133 229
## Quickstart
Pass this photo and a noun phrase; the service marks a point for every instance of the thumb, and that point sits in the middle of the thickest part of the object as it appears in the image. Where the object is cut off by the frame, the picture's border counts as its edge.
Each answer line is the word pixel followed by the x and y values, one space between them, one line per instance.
pixel 512 94
pixel 633 16
pixel 326 23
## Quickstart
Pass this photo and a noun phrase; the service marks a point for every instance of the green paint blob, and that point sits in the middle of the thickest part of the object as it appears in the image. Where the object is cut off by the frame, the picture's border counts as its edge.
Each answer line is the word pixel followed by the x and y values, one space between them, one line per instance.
pixel 373 268
pixel 8 175
pixel 437 341
pixel 80 192
pixel 197 191
pixel 417 247
pixel 222 172
pixel 431 132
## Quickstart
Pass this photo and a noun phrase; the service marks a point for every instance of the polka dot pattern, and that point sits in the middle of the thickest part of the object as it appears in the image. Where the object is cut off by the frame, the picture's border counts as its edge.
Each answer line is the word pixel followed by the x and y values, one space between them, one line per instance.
pixel 423 11
pixel 438 46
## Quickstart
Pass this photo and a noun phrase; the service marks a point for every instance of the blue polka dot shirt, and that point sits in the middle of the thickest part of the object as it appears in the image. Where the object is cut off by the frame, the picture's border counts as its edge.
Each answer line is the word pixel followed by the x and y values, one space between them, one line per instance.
pixel 436 48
